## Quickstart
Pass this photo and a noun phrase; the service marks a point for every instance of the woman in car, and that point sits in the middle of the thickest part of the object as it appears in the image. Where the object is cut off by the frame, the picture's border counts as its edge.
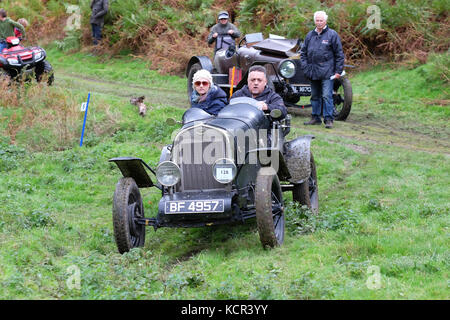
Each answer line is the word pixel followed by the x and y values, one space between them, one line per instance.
pixel 206 95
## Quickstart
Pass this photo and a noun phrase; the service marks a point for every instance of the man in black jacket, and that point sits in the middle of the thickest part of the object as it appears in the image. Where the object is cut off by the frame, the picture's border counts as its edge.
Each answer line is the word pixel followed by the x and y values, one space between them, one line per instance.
pixel 99 10
pixel 322 60
pixel 257 89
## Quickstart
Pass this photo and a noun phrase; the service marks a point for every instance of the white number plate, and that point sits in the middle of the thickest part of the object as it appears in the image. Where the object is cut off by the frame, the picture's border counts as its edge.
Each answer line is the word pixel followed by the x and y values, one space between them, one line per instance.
pixel 224 173
pixel 302 89
pixel 194 206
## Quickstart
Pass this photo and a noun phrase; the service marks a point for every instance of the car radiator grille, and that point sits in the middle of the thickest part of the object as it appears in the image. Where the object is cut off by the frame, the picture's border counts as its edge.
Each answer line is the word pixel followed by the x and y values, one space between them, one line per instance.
pixel 195 154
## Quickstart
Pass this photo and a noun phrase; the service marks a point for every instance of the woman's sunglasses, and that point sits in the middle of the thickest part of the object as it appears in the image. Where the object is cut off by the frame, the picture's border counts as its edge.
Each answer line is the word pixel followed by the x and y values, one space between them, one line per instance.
pixel 198 83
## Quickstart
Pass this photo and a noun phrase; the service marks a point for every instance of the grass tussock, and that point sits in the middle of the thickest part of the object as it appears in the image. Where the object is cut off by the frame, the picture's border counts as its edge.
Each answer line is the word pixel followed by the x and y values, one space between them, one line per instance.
pixel 45 118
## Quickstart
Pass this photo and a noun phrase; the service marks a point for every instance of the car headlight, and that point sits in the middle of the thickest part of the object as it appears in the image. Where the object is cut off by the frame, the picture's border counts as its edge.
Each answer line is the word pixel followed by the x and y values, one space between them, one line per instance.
pixel 168 173
pixel 37 55
pixel 287 69
pixel 224 170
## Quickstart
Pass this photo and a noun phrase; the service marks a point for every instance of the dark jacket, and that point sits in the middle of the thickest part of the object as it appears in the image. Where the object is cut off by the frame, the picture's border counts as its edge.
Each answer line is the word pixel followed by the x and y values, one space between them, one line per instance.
pixel 215 100
pixel 222 30
pixel 99 10
pixel 322 55
pixel 270 97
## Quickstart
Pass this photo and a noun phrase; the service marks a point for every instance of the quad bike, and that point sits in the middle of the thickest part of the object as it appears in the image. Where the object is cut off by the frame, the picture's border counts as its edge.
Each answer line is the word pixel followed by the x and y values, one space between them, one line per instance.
pixel 18 62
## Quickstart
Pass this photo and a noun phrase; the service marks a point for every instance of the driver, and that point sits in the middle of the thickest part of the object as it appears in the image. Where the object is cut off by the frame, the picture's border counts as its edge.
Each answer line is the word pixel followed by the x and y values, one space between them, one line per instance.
pixel 223 29
pixel 7 28
pixel 257 89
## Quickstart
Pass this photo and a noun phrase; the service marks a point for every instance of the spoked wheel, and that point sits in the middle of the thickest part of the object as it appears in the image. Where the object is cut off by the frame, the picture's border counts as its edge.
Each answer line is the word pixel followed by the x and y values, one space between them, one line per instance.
pixel 342 98
pixel 269 208
pixel 128 206
pixel 307 193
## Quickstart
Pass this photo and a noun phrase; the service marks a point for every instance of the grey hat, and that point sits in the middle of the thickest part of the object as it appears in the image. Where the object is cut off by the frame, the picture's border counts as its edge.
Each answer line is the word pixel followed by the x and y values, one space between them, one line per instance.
pixel 223 15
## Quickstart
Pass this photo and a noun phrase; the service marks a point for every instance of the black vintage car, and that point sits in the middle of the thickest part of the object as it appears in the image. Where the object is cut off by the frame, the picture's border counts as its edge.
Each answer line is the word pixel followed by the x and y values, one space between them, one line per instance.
pixel 281 57
pixel 219 170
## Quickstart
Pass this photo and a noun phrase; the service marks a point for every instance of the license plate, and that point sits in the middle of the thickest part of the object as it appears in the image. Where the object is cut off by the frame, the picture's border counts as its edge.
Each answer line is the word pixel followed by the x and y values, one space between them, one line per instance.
pixel 302 89
pixel 194 206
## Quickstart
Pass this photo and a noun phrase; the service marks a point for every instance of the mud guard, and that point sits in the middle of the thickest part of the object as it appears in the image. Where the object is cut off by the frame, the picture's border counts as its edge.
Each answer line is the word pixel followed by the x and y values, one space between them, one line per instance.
pixel 297 154
pixel 204 61
pixel 134 168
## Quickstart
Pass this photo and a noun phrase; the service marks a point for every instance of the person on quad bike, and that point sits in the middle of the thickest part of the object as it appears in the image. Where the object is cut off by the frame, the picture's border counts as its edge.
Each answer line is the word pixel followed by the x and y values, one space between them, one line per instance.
pixel 223 33
pixel 25 24
pixel 7 28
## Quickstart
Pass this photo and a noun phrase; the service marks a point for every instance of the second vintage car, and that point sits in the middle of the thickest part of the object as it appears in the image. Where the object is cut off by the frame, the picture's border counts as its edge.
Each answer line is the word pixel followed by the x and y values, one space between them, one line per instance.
pixel 219 170
pixel 281 57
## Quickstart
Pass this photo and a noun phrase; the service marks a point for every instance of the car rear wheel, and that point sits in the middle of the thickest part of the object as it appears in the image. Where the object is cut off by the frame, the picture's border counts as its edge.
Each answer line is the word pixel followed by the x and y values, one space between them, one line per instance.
pixel 307 193
pixel 127 206
pixel 269 208
pixel 194 68
pixel 342 98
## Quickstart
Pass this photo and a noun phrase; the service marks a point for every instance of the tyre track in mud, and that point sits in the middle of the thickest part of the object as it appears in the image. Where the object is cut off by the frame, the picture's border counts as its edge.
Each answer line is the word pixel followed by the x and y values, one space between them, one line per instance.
pixel 123 90
pixel 377 133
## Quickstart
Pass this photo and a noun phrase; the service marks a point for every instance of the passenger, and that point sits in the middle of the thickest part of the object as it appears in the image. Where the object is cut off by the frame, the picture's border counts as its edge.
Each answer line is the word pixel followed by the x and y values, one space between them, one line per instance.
pixel 25 24
pixel 257 89
pixel 226 31
pixel 7 29
pixel 206 95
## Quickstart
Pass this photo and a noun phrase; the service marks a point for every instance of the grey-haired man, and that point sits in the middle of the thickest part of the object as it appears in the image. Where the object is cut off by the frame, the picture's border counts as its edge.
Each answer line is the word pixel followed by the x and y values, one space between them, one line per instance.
pixel 322 57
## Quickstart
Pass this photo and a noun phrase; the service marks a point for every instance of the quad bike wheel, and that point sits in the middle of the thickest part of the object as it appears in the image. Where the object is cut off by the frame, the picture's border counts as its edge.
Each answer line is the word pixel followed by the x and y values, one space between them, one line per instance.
pixel 45 68
pixel 269 208
pixel 307 193
pixel 127 206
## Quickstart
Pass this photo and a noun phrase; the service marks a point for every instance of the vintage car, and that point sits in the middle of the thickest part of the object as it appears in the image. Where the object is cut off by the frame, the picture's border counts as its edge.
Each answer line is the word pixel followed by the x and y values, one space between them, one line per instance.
pixel 219 170
pixel 281 57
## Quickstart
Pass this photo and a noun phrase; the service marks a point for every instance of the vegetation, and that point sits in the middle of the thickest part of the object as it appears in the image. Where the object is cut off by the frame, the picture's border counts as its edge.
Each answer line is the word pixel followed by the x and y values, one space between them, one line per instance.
pixel 157 30
pixel 382 232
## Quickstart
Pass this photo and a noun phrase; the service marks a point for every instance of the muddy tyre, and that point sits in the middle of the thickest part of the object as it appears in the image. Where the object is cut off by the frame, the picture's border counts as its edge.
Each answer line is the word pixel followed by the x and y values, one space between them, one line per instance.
pixel 342 98
pixel 307 193
pixel 45 68
pixel 127 205
pixel 194 68
pixel 269 208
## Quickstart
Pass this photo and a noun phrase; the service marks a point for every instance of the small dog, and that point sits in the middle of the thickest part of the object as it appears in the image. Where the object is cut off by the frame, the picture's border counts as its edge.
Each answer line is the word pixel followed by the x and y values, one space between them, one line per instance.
pixel 141 105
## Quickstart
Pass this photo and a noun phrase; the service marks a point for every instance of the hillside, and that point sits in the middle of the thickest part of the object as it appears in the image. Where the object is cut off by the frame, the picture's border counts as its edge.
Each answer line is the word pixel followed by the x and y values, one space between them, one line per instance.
pixel 168 32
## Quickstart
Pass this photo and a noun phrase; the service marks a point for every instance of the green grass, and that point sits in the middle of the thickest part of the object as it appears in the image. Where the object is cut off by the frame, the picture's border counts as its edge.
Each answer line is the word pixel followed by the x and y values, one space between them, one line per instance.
pixel 383 190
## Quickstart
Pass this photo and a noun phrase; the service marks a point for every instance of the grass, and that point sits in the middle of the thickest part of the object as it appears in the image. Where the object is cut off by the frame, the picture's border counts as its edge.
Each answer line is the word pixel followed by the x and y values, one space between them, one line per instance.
pixel 383 189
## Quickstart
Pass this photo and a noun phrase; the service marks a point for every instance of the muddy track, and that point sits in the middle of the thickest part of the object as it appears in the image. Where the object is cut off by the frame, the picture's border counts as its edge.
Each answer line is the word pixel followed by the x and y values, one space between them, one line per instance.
pixel 154 95
pixel 358 127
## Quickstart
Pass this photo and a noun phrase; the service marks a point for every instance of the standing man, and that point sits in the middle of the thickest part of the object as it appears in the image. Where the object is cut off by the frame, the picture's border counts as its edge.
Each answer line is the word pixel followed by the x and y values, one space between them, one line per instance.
pixel 257 89
pixel 99 10
pixel 7 28
pixel 322 58
pixel 223 33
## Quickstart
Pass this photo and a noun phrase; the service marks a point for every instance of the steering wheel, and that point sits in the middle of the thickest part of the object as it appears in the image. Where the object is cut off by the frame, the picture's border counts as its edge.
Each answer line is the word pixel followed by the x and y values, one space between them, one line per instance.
pixel 241 42
pixel 246 100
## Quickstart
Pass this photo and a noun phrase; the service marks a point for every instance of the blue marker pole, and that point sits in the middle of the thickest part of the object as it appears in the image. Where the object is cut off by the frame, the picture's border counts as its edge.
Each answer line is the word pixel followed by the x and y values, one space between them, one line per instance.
pixel 84 122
